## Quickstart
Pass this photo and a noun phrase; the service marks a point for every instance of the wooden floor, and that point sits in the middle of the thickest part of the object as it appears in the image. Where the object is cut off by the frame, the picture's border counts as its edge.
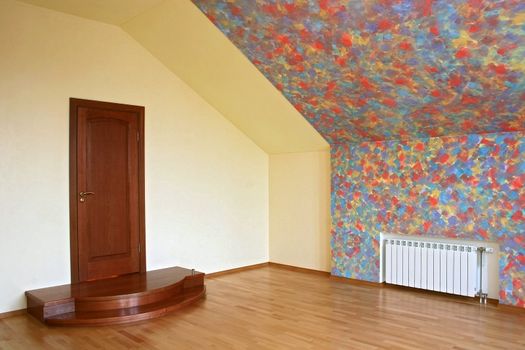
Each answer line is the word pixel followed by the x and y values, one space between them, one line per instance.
pixel 274 308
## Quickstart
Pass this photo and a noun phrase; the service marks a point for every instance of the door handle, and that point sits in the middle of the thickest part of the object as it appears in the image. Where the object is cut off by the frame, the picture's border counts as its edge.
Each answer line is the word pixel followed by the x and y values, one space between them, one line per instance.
pixel 84 194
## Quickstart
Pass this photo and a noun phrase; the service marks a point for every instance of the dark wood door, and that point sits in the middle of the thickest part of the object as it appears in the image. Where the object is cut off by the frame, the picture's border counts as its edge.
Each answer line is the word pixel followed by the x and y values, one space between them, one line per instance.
pixel 108 189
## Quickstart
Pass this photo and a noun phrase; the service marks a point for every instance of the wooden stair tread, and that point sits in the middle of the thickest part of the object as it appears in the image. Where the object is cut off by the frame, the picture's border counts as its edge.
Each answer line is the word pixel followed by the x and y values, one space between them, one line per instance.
pixel 116 300
pixel 117 286
pixel 132 314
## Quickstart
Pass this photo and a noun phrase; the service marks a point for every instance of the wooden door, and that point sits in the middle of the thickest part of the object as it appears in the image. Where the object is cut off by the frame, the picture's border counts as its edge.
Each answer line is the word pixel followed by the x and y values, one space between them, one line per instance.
pixel 106 189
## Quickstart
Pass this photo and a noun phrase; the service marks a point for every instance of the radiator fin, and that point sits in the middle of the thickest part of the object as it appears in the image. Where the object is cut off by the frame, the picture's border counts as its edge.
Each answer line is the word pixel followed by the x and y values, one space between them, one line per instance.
pixel 443 267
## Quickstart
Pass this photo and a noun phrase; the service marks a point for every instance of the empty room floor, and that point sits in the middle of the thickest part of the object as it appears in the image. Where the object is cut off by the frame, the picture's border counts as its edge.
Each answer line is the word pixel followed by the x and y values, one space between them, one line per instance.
pixel 276 308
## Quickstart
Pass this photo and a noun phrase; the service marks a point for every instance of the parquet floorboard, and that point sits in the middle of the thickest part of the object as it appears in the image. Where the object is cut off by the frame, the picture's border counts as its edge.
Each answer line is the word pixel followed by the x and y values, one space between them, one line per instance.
pixel 275 308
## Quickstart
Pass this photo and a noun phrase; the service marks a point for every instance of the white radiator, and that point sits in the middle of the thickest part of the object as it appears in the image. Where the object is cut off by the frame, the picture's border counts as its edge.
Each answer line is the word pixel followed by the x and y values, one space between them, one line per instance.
pixel 443 267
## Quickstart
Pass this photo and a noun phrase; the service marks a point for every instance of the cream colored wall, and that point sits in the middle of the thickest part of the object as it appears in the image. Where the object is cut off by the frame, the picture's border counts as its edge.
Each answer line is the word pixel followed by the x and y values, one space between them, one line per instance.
pixel 206 182
pixel 189 44
pixel 108 11
pixel 300 209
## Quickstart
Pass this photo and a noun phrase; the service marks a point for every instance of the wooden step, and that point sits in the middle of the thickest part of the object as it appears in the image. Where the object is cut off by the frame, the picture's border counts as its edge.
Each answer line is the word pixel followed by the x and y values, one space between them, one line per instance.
pixel 122 299
pixel 127 315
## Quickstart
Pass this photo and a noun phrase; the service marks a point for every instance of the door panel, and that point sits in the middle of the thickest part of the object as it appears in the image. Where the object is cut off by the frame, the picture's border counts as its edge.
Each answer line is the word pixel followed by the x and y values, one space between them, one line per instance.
pixel 107 166
pixel 108 169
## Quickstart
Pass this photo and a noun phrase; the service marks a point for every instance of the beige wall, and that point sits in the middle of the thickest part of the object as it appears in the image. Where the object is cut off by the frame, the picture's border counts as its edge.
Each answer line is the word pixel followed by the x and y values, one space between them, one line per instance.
pixel 300 209
pixel 206 182
pixel 189 44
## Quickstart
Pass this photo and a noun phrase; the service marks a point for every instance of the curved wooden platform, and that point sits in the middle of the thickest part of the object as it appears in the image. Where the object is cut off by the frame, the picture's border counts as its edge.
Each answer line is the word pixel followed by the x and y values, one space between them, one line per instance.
pixel 123 299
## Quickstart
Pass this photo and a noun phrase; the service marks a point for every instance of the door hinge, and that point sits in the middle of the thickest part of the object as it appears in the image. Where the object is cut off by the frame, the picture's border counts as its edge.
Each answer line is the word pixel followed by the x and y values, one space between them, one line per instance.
pixel 139 247
pixel 138 136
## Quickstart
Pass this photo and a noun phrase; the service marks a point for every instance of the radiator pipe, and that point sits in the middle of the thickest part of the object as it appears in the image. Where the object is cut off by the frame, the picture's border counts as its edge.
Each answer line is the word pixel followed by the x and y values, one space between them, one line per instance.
pixel 482 296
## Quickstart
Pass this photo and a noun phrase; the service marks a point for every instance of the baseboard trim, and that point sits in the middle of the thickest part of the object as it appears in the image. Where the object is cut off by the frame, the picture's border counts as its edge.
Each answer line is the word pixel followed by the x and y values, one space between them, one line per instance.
pixel 513 308
pixel 356 282
pixel 12 313
pixel 459 298
pixel 235 270
pixel 267 264
pixel 298 269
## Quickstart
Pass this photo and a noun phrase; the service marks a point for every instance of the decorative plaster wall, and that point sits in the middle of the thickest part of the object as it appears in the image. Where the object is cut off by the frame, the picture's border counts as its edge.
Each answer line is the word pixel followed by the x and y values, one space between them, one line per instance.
pixel 468 187
pixel 426 72
pixel 387 69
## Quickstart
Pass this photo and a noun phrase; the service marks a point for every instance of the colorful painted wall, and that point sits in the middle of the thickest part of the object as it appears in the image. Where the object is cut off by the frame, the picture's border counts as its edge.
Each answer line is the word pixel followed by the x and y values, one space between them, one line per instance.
pixel 387 69
pixel 367 73
pixel 468 187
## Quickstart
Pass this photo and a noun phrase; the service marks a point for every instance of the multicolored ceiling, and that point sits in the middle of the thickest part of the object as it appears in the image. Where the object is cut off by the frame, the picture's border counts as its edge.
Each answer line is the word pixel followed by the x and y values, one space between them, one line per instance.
pixel 387 69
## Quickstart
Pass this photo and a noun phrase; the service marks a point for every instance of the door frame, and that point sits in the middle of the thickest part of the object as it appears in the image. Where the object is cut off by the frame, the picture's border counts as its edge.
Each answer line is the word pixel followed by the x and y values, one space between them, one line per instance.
pixel 74 104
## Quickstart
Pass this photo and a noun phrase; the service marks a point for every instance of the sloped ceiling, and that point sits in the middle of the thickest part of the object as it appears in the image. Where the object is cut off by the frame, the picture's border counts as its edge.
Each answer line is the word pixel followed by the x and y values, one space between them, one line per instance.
pixel 182 38
pixel 108 11
pixel 387 69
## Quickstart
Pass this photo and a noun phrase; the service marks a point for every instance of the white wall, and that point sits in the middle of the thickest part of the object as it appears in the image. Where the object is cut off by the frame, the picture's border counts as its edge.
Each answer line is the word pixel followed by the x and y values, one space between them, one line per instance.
pixel 300 209
pixel 206 182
